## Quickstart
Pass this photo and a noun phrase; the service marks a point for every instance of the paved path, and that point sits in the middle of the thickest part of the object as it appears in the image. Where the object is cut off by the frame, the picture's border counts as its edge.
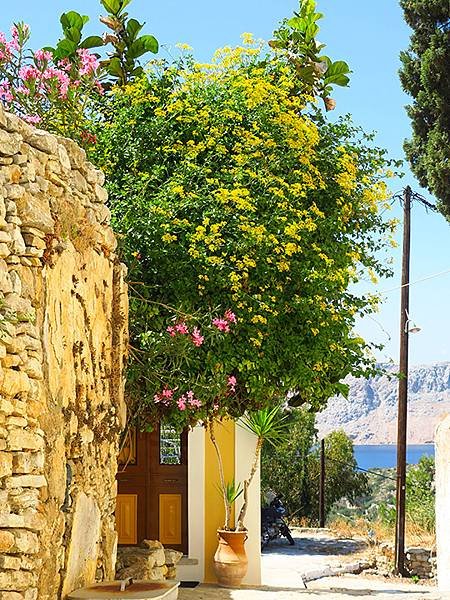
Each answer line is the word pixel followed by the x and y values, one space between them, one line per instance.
pixel 283 565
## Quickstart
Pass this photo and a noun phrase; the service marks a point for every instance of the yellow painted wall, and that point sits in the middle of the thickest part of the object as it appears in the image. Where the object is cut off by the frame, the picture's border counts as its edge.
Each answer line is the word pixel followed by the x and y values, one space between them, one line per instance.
pixel 214 509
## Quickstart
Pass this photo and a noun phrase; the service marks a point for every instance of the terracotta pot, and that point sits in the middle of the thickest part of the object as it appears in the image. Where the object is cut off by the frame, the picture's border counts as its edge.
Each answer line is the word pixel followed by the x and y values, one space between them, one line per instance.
pixel 230 559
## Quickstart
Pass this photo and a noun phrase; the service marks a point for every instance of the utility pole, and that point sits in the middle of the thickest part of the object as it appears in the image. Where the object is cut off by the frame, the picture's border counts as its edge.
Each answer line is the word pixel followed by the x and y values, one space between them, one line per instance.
pixel 322 485
pixel 403 389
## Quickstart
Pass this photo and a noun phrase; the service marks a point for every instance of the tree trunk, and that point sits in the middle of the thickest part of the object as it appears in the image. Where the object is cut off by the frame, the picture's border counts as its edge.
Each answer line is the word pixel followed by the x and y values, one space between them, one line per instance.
pixel 247 482
pixel 210 428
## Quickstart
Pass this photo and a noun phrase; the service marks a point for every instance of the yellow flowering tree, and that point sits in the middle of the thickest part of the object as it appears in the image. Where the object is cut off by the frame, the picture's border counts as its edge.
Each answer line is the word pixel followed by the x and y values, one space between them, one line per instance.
pixel 245 218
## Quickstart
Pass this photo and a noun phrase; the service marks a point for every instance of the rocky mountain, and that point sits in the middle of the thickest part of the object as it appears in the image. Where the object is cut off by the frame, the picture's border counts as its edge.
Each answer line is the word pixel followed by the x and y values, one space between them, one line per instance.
pixel 369 415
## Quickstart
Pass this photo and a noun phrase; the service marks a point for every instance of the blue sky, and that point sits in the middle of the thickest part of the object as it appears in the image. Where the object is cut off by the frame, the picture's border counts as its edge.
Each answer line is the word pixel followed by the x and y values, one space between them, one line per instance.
pixel 369 36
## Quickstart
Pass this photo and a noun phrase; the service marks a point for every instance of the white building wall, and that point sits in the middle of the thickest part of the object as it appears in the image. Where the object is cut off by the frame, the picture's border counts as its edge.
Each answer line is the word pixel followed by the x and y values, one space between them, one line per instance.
pixel 442 442
pixel 193 568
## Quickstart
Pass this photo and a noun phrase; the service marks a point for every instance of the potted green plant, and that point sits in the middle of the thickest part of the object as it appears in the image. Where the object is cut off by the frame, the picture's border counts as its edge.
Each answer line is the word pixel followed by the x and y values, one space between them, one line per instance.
pixel 230 559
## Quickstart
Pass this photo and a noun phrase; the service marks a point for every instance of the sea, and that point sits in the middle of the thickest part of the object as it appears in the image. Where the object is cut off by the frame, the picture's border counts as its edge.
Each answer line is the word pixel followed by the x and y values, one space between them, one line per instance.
pixel 385 456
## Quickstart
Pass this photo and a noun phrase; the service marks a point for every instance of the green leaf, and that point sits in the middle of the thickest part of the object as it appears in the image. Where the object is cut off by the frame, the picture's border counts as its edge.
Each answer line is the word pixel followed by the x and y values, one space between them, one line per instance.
pixel 343 389
pixel 341 80
pixel 93 41
pixel 297 23
pixel 114 67
pixel 311 32
pixel 72 19
pixel 133 28
pixel 123 5
pixel 112 6
pixel 146 43
pixel 73 34
pixel 150 43
pixel 65 48
pixel 340 67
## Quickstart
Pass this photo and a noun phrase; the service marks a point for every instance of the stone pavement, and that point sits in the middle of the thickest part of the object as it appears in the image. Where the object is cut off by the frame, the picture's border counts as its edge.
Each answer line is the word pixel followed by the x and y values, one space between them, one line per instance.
pixel 283 565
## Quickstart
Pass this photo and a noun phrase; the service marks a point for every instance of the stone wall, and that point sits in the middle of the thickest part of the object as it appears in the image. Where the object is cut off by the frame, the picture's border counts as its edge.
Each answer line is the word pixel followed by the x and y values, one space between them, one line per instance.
pixel 442 459
pixel 63 318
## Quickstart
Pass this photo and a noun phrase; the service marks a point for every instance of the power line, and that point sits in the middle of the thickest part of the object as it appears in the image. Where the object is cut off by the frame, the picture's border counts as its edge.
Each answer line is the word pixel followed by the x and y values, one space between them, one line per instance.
pixel 417 281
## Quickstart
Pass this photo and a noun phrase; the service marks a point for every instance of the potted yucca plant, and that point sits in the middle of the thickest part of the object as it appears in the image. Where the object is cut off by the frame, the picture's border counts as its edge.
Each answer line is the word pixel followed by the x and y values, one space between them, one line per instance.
pixel 230 559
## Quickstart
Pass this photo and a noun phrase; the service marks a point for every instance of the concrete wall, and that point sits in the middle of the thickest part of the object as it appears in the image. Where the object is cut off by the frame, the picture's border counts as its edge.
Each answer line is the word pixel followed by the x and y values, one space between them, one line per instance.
pixel 442 449
pixel 63 318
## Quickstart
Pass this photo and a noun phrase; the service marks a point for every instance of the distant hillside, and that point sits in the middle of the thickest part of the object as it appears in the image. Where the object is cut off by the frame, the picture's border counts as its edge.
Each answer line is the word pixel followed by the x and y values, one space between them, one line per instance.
pixel 369 416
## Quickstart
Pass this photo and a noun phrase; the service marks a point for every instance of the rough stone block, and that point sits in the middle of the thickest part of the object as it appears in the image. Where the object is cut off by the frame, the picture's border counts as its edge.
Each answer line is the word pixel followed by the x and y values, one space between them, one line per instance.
pixel 20 439
pixel 25 481
pixel 41 140
pixel 14 382
pixel 7 541
pixel 10 562
pixel 5 464
pixel 16 580
pixel 9 143
pixel 27 462
pixel 34 211
pixel 25 542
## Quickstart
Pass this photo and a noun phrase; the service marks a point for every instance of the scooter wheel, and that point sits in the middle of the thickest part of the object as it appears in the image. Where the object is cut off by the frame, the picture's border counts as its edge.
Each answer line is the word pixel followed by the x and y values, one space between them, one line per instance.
pixel 290 539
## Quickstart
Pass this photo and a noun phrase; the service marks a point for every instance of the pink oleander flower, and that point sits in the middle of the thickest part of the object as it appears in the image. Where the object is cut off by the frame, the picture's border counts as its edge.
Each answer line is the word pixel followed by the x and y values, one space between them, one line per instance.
pixel 43 55
pixel 64 64
pixel 231 383
pixel 181 328
pixel 193 402
pixel 171 330
pixel 230 316
pixel 22 89
pixel 167 393
pixel 89 62
pixel 29 72
pixel 197 339
pixel 221 325
pixel 181 402
pixel 33 119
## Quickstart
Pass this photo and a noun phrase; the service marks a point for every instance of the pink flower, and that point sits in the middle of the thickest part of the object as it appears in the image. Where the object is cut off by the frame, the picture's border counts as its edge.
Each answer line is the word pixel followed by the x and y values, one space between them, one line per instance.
pixel 167 393
pixel 22 89
pixel 230 316
pixel 28 72
pixel 89 62
pixel 197 339
pixel 221 325
pixel 231 383
pixel 171 331
pixel 193 402
pixel 34 119
pixel 181 328
pixel 181 402
pixel 43 55
pixel 64 64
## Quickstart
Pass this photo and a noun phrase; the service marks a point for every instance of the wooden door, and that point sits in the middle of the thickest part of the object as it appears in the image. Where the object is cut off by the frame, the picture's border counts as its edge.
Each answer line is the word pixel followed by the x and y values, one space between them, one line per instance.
pixel 152 489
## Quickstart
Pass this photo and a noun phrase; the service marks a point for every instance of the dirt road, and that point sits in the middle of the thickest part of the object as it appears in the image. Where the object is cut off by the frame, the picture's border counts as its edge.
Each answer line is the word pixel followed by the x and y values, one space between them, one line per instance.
pixel 284 565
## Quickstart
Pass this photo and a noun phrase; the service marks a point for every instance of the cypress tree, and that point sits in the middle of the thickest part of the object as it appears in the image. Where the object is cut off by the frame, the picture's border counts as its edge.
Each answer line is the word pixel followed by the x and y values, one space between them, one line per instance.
pixel 425 75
